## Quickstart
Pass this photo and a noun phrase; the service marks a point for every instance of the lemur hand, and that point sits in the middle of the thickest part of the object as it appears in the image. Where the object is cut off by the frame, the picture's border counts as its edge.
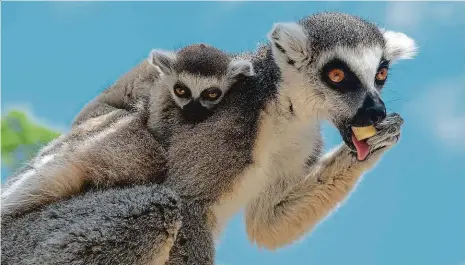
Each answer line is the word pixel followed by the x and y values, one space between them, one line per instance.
pixel 387 134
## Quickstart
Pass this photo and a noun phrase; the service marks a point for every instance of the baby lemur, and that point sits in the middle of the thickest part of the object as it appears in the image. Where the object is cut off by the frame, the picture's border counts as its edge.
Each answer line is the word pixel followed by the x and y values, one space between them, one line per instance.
pixel 116 148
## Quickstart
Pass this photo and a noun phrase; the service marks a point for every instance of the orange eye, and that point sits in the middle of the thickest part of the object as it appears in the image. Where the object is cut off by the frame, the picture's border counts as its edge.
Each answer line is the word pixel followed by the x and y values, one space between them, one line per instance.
pixel 213 95
pixel 336 75
pixel 180 91
pixel 381 75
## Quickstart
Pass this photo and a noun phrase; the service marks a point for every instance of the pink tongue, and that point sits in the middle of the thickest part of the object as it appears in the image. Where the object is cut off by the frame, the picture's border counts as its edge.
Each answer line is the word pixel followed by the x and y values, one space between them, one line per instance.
pixel 362 148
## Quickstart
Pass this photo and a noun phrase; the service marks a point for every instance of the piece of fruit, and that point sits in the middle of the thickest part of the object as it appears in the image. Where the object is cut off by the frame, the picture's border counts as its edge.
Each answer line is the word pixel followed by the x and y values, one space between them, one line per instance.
pixel 362 133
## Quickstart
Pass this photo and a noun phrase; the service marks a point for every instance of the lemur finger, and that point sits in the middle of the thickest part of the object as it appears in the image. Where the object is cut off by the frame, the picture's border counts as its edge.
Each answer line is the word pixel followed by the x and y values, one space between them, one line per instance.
pixel 388 142
pixel 392 120
pixel 386 129
pixel 384 136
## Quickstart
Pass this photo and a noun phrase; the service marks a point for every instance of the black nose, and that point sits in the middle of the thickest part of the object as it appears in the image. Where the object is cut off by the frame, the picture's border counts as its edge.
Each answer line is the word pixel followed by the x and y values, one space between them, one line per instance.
pixel 371 112
pixel 377 112
pixel 195 112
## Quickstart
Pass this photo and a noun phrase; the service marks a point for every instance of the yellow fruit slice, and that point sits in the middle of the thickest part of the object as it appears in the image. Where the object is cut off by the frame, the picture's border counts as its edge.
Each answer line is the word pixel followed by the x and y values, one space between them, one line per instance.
pixel 362 133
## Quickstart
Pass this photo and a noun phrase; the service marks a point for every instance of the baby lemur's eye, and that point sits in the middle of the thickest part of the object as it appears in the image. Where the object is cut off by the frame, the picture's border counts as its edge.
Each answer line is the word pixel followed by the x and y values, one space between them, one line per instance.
pixel 336 75
pixel 181 90
pixel 211 93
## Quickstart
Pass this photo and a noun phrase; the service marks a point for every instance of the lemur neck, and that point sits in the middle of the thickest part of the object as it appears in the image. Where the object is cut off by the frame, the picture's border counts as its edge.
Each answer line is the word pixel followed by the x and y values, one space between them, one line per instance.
pixel 284 118
pixel 292 95
pixel 289 96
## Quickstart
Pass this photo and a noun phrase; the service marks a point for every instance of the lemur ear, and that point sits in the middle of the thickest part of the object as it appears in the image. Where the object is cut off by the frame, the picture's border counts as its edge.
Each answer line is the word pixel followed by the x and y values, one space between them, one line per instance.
pixel 162 60
pixel 289 41
pixel 398 46
pixel 240 67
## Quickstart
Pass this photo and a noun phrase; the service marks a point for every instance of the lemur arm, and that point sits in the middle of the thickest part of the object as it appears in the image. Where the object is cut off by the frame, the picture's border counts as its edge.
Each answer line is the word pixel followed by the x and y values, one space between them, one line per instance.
pixel 285 211
pixel 123 94
pixel 273 221
pixel 135 225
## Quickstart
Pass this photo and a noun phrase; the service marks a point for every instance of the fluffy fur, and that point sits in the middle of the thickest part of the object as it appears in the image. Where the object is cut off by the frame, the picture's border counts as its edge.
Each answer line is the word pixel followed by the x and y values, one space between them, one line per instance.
pixel 120 151
pixel 198 69
pixel 286 209
pixel 123 94
pixel 117 148
pixel 261 148
pixel 99 227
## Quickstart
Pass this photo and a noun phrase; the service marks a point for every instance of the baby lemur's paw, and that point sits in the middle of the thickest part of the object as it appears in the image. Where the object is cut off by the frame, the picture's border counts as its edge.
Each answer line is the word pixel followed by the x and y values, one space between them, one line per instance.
pixel 387 133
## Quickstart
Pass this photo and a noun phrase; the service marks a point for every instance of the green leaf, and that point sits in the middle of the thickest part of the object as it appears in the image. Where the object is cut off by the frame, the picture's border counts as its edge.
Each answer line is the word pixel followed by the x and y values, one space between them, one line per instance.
pixel 19 131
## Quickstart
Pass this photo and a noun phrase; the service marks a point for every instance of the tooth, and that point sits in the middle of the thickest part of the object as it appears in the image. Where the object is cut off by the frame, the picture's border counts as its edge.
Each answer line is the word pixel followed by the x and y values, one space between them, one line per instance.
pixel 362 133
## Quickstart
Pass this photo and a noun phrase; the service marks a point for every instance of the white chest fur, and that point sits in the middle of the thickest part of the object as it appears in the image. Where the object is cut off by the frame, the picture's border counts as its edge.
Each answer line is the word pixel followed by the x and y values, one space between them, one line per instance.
pixel 278 153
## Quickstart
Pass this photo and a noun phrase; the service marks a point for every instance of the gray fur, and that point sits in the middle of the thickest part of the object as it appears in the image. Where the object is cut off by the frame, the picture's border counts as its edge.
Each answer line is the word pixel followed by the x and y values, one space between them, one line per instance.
pixel 116 148
pixel 327 31
pixel 264 137
pixel 198 67
pixel 194 243
pixel 130 88
pixel 115 226
pixel 121 151
pixel 261 147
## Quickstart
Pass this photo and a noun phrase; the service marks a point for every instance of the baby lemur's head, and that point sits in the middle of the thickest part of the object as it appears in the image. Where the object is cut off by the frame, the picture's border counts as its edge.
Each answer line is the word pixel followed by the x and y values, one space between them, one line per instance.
pixel 198 76
pixel 336 65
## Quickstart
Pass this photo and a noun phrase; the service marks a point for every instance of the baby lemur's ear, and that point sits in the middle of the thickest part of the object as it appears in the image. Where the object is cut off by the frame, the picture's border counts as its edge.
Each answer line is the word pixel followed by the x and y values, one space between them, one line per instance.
pixel 398 46
pixel 163 61
pixel 238 68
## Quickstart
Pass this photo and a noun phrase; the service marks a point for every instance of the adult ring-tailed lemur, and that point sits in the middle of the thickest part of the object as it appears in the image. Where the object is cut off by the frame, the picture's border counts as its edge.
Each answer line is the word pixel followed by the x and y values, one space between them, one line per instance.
pixel 261 148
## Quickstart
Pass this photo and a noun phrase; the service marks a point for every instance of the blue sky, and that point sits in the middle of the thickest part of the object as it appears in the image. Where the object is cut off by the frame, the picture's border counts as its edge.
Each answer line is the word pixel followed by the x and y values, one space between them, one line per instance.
pixel 409 210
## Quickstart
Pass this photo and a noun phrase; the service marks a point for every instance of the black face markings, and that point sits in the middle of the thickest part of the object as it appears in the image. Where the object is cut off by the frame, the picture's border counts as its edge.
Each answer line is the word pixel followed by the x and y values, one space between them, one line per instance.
pixel 383 66
pixel 181 90
pixel 384 63
pixel 195 112
pixel 211 94
pixel 350 82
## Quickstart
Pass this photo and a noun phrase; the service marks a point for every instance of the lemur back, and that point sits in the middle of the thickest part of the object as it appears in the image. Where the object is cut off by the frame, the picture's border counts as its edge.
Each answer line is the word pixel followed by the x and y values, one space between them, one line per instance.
pixel 117 148
pixel 123 94
pixel 109 150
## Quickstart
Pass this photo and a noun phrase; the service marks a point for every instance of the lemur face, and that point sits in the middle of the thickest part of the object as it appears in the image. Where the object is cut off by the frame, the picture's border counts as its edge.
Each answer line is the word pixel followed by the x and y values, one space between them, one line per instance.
pixel 198 77
pixel 196 95
pixel 340 64
pixel 351 81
